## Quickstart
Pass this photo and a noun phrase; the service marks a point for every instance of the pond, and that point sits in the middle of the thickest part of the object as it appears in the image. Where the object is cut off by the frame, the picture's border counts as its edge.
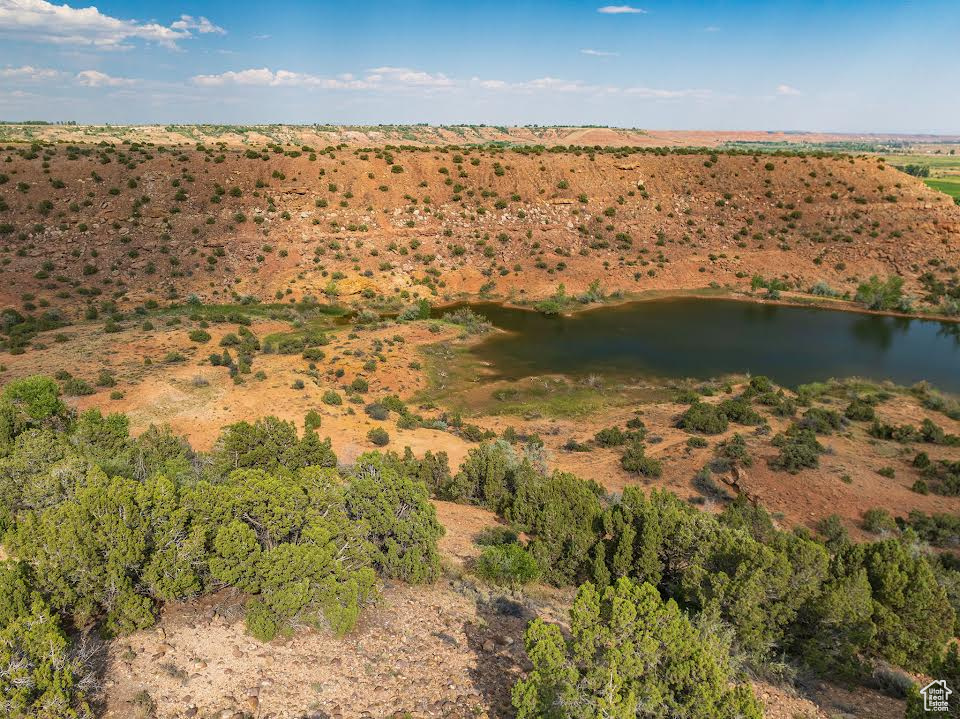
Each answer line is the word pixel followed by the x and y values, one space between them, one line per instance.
pixel 706 338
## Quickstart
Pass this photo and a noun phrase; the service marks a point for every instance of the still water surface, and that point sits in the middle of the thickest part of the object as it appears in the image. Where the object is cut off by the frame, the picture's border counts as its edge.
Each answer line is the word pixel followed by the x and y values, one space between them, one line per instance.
pixel 704 338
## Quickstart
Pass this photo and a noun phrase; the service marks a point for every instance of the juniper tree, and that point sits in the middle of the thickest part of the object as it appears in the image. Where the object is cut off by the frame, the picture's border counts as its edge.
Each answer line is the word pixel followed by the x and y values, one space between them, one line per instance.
pixel 630 655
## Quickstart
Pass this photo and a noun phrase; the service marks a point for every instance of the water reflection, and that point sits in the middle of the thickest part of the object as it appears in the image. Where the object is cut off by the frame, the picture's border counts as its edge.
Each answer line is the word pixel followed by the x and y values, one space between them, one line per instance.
pixel 706 338
pixel 951 330
pixel 874 331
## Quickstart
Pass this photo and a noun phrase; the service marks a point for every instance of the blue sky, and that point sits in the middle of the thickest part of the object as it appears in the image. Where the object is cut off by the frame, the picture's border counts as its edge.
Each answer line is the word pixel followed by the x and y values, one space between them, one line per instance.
pixel 854 66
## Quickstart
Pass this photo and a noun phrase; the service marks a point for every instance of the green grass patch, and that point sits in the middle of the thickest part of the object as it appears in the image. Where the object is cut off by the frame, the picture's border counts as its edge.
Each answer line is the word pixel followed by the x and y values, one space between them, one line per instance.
pixel 450 370
pixel 936 163
pixel 946 185
pixel 553 397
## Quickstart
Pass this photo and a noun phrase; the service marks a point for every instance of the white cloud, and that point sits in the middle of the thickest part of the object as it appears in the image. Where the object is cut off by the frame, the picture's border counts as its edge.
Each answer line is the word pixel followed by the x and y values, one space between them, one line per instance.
pixel 552 84
pixel 490 84
pixel 200 24
pixel 787 90
pixel 42 21
pixel 599 53
pixel 711 28
pixel 28 73
pixel 406 76
pixel 379 78
pixel 264 77
pixel 95 78
pixel 392 79
pixel 621 10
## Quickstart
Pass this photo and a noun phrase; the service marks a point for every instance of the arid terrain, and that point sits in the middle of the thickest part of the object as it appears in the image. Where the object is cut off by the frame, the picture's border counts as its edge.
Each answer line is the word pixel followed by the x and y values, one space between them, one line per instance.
pixel 428 135
pixel 134 260
pixel 133 222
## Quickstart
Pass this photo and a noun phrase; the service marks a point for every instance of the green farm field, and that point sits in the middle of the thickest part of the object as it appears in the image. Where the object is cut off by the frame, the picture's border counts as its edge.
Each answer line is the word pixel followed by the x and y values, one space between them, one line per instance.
pixel 948 185
pixel 944 170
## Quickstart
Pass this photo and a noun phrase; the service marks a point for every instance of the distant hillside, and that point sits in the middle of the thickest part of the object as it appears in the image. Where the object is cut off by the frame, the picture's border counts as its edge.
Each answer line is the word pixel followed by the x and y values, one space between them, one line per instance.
pixel 378 135
pixel 134 222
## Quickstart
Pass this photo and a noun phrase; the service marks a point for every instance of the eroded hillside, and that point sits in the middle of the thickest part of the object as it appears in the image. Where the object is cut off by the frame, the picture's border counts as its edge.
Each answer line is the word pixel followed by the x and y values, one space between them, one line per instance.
pixel 134 223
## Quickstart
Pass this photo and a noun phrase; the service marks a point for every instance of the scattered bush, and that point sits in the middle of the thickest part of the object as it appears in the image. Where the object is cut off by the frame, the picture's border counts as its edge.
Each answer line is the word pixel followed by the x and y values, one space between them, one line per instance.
pixel 878 521
pixel 379 436
pixel 508 564
pixel 799 449
pixel 703 417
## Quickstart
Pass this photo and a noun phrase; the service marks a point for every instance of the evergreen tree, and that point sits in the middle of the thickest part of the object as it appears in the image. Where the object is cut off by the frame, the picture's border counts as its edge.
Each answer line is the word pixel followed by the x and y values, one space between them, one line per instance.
pixel 630 655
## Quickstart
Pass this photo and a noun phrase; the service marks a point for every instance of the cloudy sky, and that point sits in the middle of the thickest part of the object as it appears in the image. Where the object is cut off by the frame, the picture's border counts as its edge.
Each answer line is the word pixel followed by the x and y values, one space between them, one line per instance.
pixel 840 65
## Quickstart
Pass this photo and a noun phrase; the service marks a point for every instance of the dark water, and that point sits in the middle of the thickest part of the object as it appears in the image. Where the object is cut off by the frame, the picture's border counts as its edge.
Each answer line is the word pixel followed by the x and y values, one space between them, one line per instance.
pixel 704 338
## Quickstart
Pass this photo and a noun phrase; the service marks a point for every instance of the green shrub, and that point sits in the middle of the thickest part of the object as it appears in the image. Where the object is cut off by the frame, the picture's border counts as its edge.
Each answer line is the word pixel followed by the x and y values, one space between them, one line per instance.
pixel 860 410
pixel 332 398
pixel 940 530
pixel 878 521
pixel 761 384
pixel 508 564
pixel 41 677
pixel 473 323
pixel 76 387
pixel 561 512
pixel 619 633
pixel 285 527
pixel 33 399
pixel 379 436
pixel 377 411
pixel 269 443
pixel 400 522
pixel 312 420
pixel 734 450
pixel 739 410
pixel 610 437
pixel 496 535
pixel 799 449
pixel 820 420
pixel 703 417
pixel 290 542
pixel 359 384
pixel 877 294
pixel 634 459
pixel 572 445
pixel 912 614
